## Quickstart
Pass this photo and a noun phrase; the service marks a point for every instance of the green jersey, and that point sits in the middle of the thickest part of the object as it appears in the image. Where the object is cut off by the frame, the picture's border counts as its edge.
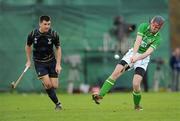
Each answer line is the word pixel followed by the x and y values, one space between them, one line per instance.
pixel 148 39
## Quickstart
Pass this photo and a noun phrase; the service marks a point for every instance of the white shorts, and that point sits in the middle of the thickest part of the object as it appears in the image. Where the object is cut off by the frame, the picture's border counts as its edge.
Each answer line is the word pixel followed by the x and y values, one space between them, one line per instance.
pixel 140 63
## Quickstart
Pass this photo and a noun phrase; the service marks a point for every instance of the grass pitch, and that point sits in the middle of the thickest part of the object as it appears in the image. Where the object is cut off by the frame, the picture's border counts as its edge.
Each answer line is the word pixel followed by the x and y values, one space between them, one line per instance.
pixel 114 107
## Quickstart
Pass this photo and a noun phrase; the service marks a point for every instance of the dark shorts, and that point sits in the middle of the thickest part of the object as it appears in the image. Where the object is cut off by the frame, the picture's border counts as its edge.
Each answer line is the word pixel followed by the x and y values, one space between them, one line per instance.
pixel 46 68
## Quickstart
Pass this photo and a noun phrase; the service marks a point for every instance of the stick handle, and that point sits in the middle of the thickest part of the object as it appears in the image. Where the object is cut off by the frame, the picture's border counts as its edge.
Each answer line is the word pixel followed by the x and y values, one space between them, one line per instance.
pixel 26 69
pixel 19 79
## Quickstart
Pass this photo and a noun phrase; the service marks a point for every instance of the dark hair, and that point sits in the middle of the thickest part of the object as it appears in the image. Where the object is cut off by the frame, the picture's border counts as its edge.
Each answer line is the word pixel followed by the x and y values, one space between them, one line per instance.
pixel 44 18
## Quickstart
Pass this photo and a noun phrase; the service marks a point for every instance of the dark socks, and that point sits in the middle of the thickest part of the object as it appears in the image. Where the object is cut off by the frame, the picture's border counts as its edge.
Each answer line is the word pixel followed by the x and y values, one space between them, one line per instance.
pixel 52 94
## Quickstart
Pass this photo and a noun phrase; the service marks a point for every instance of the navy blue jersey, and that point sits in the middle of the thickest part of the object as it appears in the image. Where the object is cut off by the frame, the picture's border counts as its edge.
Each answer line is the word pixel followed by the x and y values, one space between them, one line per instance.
pixel 43 44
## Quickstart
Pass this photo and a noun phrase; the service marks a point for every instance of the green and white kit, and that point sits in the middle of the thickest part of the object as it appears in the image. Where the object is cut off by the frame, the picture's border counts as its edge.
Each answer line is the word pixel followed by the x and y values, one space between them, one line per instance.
pixel 148 40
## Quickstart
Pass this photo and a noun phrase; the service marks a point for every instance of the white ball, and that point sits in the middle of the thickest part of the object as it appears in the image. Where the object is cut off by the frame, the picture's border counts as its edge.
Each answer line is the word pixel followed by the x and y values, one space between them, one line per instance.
pixel 116 56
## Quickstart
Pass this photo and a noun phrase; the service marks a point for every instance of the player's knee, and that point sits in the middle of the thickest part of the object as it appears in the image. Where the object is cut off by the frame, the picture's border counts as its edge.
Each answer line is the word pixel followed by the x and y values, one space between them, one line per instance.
pixel 136 87
pixel 117 71
pixel 48 85
pixel 55 86
pixel 136 84
pixel 123 63
pixel 114 75
pixel 137 90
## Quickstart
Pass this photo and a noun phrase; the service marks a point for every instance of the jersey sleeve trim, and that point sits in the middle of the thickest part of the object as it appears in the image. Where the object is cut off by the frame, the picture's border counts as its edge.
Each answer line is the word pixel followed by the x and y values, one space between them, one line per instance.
pixel 153 46
pixel 139 33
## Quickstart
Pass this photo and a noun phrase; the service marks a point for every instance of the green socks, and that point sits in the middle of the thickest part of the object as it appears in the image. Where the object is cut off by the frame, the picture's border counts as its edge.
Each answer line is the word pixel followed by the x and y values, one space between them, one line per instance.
pixel 106 87
pixel 136 98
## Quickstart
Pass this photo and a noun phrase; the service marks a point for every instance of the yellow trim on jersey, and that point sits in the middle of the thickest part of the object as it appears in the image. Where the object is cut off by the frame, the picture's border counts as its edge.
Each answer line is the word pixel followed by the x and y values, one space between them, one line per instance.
pixel 44 60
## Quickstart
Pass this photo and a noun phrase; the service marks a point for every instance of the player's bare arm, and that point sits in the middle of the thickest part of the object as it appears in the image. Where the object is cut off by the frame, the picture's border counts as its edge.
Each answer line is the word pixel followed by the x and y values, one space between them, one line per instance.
pixel 58 59
pixel 136 46
pixel 142 56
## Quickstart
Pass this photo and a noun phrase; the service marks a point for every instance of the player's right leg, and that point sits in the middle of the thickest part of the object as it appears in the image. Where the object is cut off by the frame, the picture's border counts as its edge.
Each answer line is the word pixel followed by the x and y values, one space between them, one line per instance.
pixel 108 84
pixel 111 80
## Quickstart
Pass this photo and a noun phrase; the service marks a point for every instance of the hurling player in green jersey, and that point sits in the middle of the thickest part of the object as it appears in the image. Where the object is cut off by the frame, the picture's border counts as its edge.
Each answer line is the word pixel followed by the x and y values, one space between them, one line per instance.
pixel 147 40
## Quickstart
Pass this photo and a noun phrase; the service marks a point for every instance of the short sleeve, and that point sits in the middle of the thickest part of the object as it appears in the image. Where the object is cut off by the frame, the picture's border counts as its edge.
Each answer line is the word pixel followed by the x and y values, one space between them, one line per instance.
pixel 141 29
pixel 30 39
pixel 56 40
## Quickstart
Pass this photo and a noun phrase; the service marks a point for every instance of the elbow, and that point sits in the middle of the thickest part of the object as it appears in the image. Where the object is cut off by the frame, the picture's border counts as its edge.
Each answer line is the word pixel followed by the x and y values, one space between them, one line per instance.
pixel 149 53
pixel 28 48
pixel 58 49
pixel 25 47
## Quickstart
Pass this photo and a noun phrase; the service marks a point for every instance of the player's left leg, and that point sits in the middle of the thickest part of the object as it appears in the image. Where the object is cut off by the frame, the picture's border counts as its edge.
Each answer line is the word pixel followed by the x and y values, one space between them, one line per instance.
pixel 55 82
pixel 53 76
pixel 138 76
pixel 55 85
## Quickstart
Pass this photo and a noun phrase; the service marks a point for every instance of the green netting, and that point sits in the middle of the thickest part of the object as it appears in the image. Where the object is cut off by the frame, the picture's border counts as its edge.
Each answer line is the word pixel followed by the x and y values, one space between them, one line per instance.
pixel 81 25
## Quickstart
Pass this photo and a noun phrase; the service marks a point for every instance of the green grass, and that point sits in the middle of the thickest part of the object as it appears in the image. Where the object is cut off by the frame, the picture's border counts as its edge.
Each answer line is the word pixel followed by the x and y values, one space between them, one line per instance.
pixel 114 107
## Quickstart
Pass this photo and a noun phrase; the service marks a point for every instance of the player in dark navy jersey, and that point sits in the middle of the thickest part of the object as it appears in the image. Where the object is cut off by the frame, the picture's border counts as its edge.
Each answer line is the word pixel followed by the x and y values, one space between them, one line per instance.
pixel 47 62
